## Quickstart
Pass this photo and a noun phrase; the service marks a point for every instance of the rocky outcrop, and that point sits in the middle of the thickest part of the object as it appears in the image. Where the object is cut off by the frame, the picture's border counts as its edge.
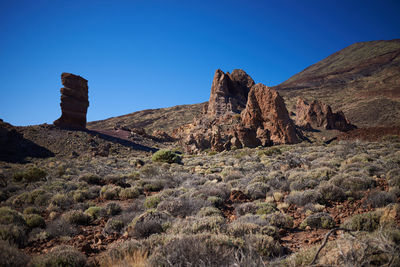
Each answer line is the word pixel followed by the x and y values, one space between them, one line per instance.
pixel 74 101
pixel 266 112
pixel 228 92
pixel 239 114
pixel 317 115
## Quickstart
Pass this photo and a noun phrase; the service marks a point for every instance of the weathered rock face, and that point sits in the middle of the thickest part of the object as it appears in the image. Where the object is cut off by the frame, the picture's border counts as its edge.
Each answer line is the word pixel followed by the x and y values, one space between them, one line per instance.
pixel 74 101
pixel 228 92
pixel 266 111
pixel 319 115
pixel 239 114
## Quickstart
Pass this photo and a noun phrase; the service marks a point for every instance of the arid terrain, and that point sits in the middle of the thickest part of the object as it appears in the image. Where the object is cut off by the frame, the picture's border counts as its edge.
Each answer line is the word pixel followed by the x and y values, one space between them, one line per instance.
pixel 306 173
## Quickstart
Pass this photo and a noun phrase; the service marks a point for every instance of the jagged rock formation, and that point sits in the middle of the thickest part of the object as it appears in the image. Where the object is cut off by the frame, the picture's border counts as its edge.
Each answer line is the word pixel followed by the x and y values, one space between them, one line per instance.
pixel 319 115
pixel 74 101
pixel 239 114
pixel 228 92
pixel 266 111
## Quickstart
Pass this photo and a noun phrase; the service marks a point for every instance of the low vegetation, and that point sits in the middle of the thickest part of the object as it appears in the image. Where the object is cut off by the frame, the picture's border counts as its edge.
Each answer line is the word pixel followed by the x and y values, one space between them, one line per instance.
pixel 244 207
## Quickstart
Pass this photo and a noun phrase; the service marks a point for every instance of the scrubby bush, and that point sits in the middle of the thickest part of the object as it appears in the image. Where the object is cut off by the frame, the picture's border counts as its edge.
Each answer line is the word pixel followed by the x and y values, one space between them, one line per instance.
pixel 113 208
pixel 80 195
pixel 95 212
pixel 368 221
pixel 265 245
pixel 110 192
pixel 246 208
pixel 196 250
pixel 152 202
pixel 33 174
pixel 10 216
pixel 34 220
pixel 92 179
pixel 257 190
pixel 318 220
pixel 354 182
pixel 148 223
pixel 167 156
pixel 280 220
pixel 266 208
pixel 113 225
pixel 61 227
pixel 301 198
pixel 60 256
pixel 378 199
pixel 11 256
pixel 129 193
pixel 15 234
pixel 209 211
pixel 60 201
pixel 330 192
pixel 240 229
pixel 182 206
pixel 76 217
pixel 31 210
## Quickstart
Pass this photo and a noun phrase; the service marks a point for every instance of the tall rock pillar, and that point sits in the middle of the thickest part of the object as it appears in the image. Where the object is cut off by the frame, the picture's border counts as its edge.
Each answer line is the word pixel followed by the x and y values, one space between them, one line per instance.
pixel 74 101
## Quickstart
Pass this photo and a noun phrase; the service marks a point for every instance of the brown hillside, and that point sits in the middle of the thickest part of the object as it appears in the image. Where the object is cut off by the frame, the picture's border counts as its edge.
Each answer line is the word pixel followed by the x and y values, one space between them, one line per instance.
pixel 362 80
pixel 165 119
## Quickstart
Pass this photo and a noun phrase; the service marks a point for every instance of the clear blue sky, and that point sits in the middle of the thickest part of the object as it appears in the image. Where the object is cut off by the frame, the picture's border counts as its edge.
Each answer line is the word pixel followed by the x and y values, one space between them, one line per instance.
pixel 151 54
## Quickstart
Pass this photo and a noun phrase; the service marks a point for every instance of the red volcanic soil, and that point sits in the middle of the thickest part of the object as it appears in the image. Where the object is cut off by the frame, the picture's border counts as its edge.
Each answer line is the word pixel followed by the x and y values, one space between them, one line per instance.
pixel 370 134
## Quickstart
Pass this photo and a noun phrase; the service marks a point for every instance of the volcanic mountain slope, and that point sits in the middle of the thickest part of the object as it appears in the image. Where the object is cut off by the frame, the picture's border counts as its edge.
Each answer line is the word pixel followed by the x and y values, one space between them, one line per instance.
pixel 165 119
pixel 362 80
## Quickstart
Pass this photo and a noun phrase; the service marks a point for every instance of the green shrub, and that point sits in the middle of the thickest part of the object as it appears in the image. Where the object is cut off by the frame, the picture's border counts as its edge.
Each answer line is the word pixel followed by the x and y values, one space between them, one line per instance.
pixel 151 202
pixel 209 211
pixel 10 216
pixel 148 223
pixel 60 201
pixel 280 220
pixel 34 220
pixel 31 210
pixel 318 220
pixel 92 179
pixel 265 245
pixel 167 156
pixel 265 208
pixel 368 221
pixel 33 174
pixel 110 192
pixel 270 152
pixel 113 208
pixel 11 256
pixel 129 193
pixel 113 226
pixel 14 234
pixel 80 195
pixel 76 217
pixel 94 212
pixel 61 256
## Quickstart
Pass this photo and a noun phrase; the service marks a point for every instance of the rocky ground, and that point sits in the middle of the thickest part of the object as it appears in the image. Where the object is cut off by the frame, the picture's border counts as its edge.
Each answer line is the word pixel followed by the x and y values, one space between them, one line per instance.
pixel 271 206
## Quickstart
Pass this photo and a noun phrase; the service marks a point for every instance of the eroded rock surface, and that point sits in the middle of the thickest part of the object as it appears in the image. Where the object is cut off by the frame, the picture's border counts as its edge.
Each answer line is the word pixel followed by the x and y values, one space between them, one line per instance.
pixel 228 92
pixel 266 112
pixel 319 115
pixel 239 114
pixel 74 101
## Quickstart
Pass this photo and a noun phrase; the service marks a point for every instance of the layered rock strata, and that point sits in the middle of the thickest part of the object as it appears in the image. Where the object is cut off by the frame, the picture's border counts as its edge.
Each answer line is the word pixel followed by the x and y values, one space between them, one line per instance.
pixel 74 101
